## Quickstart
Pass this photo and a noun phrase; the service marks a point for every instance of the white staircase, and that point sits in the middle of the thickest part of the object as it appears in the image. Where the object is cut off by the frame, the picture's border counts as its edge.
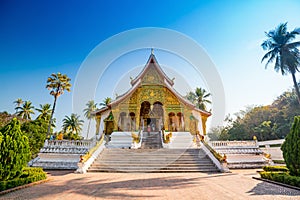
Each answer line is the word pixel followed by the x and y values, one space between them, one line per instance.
pixel 153 160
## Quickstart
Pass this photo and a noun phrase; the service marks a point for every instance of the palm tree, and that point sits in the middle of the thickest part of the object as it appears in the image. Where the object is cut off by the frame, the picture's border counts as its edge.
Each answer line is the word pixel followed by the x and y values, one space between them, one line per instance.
pixel 26 110
pixel 105 102
pixel 45 111
pixel 18 103
pixel 57 83
pixel 199 98
pixel 283 51
pixel 91 106
pixel 72 125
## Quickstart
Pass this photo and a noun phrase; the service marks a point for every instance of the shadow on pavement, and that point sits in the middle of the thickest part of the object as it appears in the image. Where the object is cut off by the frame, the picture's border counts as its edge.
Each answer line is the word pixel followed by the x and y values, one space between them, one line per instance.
pixel 84 187
pixel 59 172
pixel 265 188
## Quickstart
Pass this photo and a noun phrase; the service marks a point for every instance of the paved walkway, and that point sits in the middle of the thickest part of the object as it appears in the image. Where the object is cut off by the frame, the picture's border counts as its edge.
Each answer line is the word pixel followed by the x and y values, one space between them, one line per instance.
pixel 236 185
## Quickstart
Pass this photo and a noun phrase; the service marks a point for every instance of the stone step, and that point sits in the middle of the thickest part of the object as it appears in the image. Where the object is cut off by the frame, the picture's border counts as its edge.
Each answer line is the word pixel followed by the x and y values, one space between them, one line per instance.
pixel 151 153
pixel 157 161
pixel 158 150
pixel 151 141
pixel 109 170
pixel 141 157
pixel 153 162
pixel 154 166
pixel 151 159
pixel 163 151
pixel 56 165
pixel 134 165
pixel 146 160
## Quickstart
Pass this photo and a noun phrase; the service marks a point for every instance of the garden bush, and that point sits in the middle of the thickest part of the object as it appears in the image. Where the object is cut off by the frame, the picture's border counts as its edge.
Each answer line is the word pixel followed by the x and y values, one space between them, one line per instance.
pixel 291 148
pixel 28 175
pixel 275 169
pixel 282 177
pixel 14 151
pixel 36 133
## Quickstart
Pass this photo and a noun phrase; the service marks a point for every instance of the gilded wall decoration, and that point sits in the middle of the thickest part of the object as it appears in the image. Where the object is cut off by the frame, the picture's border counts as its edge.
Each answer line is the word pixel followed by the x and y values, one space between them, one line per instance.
pixel 152 77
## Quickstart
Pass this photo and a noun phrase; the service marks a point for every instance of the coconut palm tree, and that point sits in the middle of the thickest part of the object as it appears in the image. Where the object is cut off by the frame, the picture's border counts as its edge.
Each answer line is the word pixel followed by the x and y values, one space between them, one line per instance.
pixel 72 125
pixel 18 103
pixel 199 98
pixel 26 110
pixel 105 102
pixel 91 106
pixel 57 84
pixel 45 111
pixel 283 51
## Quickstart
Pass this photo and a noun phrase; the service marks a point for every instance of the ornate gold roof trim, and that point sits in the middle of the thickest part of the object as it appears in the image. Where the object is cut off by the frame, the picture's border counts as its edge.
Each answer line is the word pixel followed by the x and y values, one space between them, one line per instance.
pixel 153 60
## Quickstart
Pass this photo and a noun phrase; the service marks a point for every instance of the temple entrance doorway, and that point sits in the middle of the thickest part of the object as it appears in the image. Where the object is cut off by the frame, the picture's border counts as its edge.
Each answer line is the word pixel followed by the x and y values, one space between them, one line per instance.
pixel 151 116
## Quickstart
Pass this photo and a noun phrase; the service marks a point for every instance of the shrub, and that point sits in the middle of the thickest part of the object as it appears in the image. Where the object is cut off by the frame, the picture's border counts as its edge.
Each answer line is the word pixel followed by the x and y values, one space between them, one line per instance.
pixel 279 162
pixel 291 148
pixel 282 177
pixel 36 132
pixel 275 169
pixel 15 152
pixel 29 175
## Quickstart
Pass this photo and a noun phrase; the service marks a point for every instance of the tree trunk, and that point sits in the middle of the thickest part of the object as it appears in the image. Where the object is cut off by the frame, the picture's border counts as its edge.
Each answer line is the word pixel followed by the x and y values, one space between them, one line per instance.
pixel 296 87
pixel 52 113
pixel 87 135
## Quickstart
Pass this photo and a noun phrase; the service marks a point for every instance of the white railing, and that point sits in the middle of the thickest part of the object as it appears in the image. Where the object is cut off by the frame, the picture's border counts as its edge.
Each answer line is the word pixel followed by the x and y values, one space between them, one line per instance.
pixel 270 142
pixel 233 144
pixel 221 166
pixel 162 137
pixel 84 166
pixel 135 145
pixel 68 146
pixel 70 143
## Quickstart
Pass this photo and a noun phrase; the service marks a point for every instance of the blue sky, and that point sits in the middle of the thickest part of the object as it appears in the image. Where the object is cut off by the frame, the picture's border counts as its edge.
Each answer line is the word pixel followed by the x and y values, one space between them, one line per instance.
pixel 38 38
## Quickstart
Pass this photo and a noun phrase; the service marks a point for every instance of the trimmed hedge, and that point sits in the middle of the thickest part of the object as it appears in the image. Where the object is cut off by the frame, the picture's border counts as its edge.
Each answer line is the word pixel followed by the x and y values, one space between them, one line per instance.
pixel 282 177
pixel 29 175
pixel 275 169
pixel 279 161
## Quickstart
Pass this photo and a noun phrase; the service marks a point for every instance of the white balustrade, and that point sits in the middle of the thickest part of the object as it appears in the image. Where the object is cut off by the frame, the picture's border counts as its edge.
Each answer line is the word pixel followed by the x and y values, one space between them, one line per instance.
pixel 68 146
pixel 233 144
pixel 70 143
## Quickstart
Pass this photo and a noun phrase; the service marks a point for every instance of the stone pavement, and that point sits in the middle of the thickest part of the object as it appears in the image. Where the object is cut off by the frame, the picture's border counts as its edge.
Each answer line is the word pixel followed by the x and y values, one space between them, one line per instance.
pixel 236 185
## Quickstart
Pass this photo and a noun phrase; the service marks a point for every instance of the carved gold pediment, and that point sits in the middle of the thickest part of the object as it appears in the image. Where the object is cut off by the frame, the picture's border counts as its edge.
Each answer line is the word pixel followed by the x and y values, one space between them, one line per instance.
pixel 152 77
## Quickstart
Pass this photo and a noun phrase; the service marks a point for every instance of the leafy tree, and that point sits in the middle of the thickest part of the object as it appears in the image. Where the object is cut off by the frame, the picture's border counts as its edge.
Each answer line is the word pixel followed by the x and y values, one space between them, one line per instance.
pixel 283 51
pixel 264 130
pixel 218 133
pixel 238 130
pixel 36 133
pixel 18 103
pixel 291 148
pixel 45 111
pixel 72 126
pixel 26 110
pixel 15 152
pixel 5 118
pixel 57 84
pixel 105 102
pixel 91 106
pixel 199 98
pixel 265 122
